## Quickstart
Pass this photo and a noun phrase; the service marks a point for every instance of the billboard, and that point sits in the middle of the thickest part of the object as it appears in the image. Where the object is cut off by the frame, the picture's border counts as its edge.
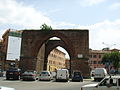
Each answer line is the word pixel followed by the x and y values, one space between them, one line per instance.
pixel 14 46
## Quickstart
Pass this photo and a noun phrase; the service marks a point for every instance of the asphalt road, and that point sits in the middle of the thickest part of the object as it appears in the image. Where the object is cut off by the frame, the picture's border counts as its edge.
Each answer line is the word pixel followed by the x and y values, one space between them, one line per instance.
pixel 42 85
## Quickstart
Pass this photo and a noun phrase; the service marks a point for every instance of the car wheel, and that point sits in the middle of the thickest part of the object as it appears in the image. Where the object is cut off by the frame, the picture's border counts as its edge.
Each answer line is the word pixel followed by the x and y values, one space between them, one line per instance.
pixel 23 79
pixel 18 77
pixel 7 78
pixel 34 79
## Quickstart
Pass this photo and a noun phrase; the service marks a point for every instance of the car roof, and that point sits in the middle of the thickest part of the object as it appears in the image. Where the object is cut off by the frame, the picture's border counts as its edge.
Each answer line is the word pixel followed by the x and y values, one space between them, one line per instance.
pixel 114 76
pixel 44 71
pixel 30 71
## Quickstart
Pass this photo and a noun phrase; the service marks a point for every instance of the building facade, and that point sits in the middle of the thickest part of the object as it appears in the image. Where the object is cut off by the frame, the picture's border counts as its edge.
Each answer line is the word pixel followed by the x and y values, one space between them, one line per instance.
pixel 2 56
pixel 95 57
pixel 8 43
pixel 56 60
pixel 67 64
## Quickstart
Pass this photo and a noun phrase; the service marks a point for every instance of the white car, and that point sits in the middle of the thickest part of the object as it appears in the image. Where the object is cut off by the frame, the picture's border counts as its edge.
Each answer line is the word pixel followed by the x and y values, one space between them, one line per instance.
pixel 6 88
pixel 45 75
pixel 108 83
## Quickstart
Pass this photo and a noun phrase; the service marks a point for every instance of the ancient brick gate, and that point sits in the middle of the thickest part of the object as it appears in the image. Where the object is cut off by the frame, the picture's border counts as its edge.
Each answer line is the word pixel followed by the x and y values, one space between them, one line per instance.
pixel 36 47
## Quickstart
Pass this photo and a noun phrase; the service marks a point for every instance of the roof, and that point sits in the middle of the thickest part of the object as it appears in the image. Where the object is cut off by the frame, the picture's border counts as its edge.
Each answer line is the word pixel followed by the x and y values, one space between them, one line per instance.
pixel 99 51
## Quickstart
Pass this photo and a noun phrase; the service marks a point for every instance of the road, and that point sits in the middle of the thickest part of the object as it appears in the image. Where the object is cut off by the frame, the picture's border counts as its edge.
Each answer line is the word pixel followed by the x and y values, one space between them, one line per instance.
pixel 42 85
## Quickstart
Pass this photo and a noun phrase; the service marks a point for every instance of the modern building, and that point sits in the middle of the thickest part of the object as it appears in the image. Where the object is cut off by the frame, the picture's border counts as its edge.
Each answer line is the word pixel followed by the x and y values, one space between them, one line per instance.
pixel 56 60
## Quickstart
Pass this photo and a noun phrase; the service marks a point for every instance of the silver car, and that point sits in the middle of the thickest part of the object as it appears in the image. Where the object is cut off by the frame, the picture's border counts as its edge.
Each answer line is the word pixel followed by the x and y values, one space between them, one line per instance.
pixel 29 75
pixel 6 88
pixel 45 75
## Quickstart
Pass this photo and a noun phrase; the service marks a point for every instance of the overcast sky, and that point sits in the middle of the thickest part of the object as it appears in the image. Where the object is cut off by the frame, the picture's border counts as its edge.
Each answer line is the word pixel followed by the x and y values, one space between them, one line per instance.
pixel 101 17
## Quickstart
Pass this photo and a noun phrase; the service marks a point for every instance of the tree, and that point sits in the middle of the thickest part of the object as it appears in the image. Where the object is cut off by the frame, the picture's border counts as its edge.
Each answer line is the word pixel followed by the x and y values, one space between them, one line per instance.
pixel 106 58
pixel 115 58
pixel 112 58
pixel 45 27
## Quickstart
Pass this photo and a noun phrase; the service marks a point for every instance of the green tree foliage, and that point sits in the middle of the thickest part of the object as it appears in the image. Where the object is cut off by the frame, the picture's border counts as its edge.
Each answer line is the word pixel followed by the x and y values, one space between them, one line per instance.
pixel 106 58
pixel 113 58
pixel 45 27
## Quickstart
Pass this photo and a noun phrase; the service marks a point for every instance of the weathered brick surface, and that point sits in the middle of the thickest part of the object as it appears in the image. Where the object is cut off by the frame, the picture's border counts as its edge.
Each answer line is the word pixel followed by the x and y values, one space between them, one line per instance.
pixel 74 41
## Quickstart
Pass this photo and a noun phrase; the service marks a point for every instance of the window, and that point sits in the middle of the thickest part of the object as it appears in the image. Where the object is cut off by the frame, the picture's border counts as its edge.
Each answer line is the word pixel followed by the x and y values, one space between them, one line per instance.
pixel 113 82
pixel 99 62
pixel 90 56
pixel 94 56
pixel 110 82
pixel 99 56
pixel 104 83
pixel 94 62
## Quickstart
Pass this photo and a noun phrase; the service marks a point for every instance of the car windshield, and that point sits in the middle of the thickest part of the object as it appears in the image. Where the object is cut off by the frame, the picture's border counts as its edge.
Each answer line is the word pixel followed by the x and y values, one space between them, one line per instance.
pixel 28 72
pixel 14 69
pixel 44 72
pixel 1 70
pixel 77 73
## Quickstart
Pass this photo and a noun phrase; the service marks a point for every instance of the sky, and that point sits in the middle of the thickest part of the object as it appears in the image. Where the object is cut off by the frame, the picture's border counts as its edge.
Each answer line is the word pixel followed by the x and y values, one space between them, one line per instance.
pixel 100 17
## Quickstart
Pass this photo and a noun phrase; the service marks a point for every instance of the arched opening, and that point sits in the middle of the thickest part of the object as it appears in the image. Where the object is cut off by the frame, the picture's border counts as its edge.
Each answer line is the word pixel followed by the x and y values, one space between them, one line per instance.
pixel 58 58
pixel 63 50
pixel 53 55
pixel 54 36
pixel 35 42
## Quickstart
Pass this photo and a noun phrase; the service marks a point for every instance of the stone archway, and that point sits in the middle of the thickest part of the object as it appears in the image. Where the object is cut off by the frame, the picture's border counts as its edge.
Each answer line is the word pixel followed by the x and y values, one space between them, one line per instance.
pixel 52 44
pixel 76 42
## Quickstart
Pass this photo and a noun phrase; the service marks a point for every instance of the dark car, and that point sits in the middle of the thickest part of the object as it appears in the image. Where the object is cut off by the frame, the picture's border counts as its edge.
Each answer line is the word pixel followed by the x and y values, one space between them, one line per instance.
pixel 13 73
pixel 29 75
pixel 77 76
pixel 1 73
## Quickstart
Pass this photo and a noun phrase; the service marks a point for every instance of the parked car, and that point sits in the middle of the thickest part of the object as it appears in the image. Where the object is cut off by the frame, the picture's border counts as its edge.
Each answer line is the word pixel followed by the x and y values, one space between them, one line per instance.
pixel 92 73
pixel 108 83
pixel 1 73
pixel 100 73
pixel 62 75
pixel 53 74
pixel 77 76
pixel 29 75
pixel 13 73
pixel 45 75
pixel 6 88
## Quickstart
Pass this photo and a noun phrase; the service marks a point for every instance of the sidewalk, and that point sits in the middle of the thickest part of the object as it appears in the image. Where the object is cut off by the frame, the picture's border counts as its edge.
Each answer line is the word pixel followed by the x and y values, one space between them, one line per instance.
pixel 91 79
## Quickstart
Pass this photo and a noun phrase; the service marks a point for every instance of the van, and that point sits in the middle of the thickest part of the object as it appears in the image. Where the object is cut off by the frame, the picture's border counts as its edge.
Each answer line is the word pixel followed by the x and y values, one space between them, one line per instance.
pixel 62 75
pixel 100 73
